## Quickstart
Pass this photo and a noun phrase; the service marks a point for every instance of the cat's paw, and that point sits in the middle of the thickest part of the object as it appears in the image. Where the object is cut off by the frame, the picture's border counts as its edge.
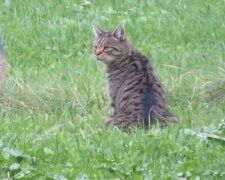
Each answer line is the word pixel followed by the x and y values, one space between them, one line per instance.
pixel 173 119
pixel 109 121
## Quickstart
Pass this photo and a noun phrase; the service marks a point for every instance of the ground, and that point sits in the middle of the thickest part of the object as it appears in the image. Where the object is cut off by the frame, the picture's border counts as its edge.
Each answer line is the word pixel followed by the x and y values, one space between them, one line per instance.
pixel 55 100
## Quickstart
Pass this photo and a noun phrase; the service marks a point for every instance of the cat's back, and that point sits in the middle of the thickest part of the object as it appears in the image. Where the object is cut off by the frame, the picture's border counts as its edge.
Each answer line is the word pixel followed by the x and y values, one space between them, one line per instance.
pixel 141 61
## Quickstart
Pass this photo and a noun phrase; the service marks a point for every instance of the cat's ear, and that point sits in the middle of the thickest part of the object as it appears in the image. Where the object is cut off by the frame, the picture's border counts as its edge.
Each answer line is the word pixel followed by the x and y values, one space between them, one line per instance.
pixel 119 32
pixel 97 31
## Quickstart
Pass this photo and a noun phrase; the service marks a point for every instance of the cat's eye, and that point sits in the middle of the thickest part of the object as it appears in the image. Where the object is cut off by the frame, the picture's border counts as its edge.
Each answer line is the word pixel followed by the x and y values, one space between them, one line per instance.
pixel 107 48
pixel 115 49
pixel 94 47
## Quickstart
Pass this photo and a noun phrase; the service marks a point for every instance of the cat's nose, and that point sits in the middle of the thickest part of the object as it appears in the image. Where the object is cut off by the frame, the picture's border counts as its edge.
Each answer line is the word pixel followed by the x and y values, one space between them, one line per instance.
pixel 98 52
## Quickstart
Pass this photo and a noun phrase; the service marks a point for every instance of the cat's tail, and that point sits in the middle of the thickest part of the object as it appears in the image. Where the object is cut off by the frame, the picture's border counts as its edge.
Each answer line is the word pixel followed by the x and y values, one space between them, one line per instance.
pixel 2 62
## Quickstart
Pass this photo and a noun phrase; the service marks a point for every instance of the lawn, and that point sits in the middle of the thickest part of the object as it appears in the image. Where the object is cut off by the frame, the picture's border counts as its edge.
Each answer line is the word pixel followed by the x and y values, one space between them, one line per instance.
pixel 55 100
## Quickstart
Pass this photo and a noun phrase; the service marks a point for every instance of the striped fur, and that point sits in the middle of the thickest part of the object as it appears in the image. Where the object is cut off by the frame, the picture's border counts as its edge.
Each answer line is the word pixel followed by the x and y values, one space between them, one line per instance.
pixel 137 96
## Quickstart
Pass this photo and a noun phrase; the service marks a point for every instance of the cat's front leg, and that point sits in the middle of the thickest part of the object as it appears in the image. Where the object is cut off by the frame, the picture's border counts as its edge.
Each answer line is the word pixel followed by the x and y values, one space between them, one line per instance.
pixel 113 108
pixel 122 121
pixel 110 121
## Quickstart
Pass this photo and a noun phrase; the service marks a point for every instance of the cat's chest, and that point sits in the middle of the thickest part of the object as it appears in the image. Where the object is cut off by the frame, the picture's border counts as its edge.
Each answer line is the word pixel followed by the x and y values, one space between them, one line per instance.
pixel 114 84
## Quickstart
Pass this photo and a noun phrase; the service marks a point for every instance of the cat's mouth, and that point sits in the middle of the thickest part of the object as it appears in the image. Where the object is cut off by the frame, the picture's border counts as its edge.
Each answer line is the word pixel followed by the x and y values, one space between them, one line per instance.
pixel 98 57
pixel 104 59
pixel 101 57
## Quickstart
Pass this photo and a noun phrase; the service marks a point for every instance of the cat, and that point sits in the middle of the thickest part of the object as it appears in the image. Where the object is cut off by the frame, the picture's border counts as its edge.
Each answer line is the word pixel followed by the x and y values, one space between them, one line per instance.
pixel 2 63
pixel 137 96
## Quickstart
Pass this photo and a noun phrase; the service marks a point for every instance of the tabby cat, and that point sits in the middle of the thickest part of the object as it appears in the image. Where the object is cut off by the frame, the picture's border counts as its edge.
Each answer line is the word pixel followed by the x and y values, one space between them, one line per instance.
pixel 137 96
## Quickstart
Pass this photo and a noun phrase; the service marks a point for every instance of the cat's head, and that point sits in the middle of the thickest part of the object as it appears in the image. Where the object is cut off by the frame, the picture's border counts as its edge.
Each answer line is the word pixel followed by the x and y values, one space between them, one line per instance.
pixel 110 47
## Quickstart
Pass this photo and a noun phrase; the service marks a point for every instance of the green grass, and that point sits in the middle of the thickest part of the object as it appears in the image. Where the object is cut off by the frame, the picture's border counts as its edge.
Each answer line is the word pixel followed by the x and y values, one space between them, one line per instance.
pixel 55 98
